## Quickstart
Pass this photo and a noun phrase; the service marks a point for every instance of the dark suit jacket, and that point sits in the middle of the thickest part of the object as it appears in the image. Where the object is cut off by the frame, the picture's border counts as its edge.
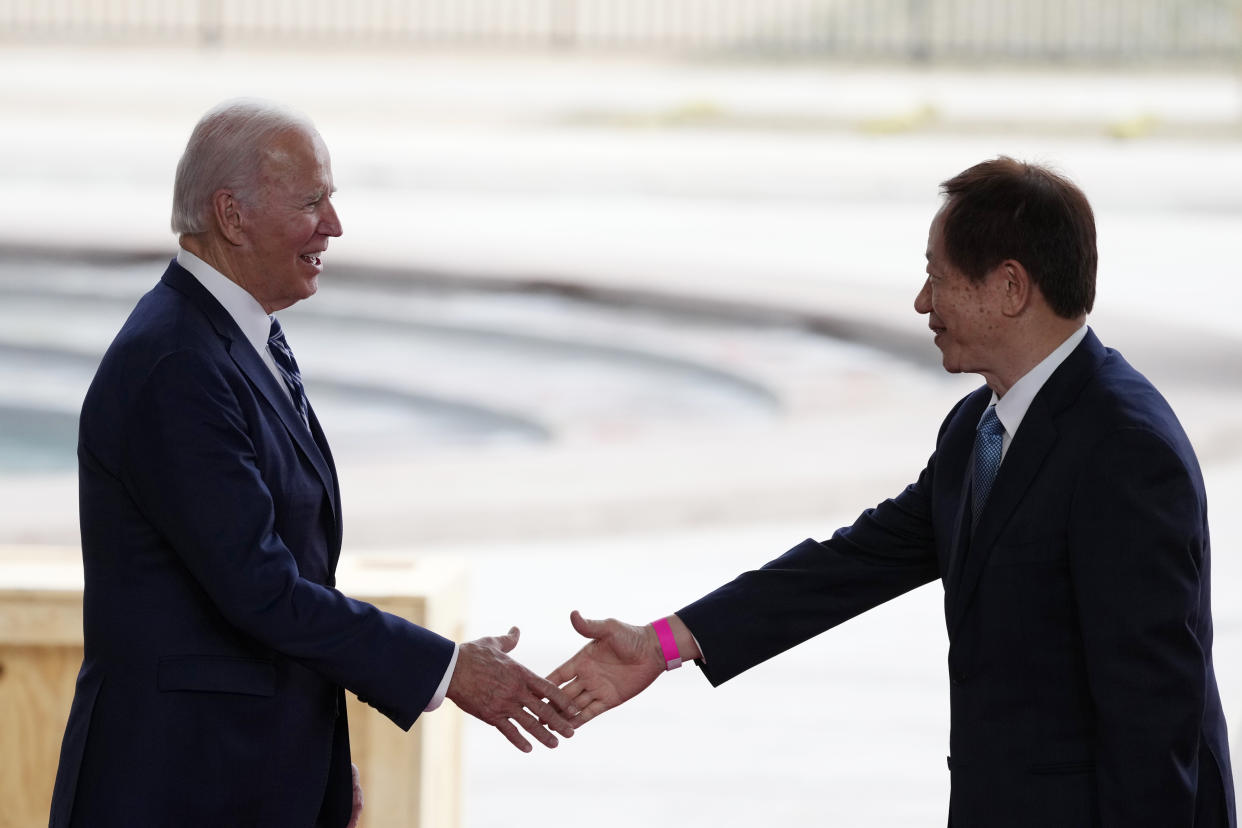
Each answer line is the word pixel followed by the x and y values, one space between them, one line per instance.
pixel 1079 619
pixel 216 646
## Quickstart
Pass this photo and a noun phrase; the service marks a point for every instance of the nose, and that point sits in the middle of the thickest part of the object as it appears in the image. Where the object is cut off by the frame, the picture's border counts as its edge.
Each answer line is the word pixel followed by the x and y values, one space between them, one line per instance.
pixel 922 302
pixel 329 221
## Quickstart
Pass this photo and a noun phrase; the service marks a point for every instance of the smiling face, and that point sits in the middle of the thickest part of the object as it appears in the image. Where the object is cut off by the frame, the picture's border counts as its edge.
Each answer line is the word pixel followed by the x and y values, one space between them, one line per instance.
pixel 964 315
pixel 288 226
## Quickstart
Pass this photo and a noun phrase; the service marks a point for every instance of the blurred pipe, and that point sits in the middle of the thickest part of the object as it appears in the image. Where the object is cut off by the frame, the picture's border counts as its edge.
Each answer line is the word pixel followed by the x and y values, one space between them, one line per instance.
pixel 918 15
pixel 210 23
pixel 1237 50
pixel 564 24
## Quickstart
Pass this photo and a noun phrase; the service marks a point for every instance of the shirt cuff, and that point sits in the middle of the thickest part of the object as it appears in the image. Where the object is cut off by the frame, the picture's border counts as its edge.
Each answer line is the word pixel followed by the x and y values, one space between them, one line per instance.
pixel 442 690
pixel 702 655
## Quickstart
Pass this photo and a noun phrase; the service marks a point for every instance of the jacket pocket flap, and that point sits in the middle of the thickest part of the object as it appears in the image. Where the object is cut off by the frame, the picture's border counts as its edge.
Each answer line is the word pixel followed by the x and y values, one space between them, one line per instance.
pixel 217 674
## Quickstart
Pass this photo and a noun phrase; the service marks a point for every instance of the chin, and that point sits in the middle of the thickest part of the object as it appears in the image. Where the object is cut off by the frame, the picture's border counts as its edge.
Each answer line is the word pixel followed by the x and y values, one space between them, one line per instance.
pixel 953 365
pixel 947 362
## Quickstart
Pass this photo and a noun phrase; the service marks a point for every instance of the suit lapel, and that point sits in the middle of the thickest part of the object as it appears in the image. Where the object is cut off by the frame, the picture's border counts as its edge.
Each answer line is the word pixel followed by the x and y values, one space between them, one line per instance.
pixel 1032 444
pixel 958 448
pixel 334 491
pixel 1022 462
pixel 955 452
pixel 252 366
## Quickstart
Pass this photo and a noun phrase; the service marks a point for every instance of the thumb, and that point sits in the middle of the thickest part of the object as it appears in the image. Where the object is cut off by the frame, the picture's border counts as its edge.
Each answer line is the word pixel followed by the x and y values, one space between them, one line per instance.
pixel 509 640
pixel 587 627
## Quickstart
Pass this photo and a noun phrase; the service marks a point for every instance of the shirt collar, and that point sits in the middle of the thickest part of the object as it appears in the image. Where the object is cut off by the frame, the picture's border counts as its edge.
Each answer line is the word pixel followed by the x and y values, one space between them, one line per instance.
pixel 1011 408
pixel 246 311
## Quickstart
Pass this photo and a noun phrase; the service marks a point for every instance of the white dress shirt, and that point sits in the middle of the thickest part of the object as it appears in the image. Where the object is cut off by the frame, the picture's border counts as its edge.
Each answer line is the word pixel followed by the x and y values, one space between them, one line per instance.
pixel 246 311
pixel 256 325
pixel 1012 408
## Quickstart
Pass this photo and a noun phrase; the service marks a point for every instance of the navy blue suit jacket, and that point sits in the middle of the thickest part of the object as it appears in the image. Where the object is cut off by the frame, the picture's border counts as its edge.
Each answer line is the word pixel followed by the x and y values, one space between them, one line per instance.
pixel 1078 611
pixel 216 646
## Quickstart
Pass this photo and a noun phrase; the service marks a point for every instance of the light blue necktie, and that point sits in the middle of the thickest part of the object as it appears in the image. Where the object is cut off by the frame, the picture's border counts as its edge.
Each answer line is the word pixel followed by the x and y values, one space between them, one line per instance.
pixel 989 441
pixel 282 355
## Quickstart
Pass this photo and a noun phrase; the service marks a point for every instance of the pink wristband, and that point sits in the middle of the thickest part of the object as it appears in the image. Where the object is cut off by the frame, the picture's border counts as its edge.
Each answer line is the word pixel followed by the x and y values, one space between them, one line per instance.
pixel 668 644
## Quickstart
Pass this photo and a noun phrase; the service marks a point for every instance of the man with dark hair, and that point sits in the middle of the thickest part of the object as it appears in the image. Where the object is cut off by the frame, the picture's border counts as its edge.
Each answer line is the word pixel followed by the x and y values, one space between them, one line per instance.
pixel 217 647
pixel 1065 513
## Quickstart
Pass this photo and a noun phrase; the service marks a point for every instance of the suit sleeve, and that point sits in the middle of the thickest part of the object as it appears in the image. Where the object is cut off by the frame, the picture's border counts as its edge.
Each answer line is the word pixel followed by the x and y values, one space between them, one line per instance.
pixel 813 587
pixel 1138 557
pixel 191 465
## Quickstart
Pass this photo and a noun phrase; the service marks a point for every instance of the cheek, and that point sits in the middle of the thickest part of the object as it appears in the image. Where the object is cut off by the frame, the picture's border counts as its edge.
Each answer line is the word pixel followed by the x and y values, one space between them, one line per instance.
pixel 982 316
pixel 290 236
pixel 944 305
pixel 981 324
pixel 308 226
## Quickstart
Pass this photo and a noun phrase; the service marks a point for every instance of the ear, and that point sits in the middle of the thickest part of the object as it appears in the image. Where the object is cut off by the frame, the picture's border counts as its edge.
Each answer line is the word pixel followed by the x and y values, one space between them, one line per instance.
pixel 227 212
pixel 1017 288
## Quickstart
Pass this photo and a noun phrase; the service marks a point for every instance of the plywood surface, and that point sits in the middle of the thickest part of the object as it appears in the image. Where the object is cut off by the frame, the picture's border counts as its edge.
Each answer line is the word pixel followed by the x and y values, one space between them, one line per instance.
pixel 409 779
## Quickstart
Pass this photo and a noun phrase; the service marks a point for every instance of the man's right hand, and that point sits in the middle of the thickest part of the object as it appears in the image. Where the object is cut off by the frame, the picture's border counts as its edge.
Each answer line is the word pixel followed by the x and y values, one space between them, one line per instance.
pixel 619 662
pixel 495 689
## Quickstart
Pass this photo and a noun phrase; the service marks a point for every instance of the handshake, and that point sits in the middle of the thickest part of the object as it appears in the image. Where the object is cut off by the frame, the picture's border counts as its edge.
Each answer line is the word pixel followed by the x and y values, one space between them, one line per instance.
pixel 618 662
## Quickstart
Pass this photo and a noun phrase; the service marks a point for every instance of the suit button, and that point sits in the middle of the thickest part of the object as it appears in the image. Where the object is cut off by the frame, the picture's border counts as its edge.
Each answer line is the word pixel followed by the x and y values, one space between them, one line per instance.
pixel 957 677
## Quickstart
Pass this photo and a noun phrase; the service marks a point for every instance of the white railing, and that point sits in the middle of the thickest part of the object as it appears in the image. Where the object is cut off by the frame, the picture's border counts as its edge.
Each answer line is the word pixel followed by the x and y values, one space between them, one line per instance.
pixel 883 29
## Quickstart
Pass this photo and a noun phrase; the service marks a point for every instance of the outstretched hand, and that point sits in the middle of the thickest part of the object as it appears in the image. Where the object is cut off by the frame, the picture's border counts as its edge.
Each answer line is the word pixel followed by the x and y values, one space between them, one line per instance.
pixel 619 662
pixel 494 688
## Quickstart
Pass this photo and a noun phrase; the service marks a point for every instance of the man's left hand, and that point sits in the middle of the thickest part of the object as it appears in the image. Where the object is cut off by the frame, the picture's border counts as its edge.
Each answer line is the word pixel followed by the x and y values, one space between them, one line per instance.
pixel 357 811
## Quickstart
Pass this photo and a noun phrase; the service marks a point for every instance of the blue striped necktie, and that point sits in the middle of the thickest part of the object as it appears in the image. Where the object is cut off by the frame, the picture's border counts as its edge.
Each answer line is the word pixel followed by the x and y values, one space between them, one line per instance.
pixel 288 367
pixel 989 442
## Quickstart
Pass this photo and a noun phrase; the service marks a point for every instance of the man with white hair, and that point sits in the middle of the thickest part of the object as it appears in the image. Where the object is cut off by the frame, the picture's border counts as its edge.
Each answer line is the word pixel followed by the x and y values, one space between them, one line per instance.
pixel 217 649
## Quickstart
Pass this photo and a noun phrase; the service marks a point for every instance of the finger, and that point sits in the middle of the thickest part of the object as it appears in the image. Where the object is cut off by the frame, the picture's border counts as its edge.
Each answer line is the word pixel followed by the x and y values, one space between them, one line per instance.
pixel 532 726
pixel 574 690
pixel 558 709
pixel 564 673
pixel 515 738
pixel 589 712
pixel 580 695
pixel 549 717
pixel 544 689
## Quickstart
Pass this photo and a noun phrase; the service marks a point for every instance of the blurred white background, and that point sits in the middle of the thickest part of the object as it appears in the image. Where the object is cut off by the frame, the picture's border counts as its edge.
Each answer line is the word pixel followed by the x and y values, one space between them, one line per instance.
pixel 701 191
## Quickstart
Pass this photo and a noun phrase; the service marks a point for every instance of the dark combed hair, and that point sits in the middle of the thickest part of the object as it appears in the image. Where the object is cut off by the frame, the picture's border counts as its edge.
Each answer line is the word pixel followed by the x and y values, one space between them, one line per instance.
pixel 1006 209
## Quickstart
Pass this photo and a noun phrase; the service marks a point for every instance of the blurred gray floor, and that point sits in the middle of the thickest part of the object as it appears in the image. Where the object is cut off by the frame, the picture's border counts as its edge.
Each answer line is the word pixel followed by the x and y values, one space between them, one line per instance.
pixel 803 188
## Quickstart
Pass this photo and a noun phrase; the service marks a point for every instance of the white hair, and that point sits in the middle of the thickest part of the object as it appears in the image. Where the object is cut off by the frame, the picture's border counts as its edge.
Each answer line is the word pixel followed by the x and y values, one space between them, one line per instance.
pixel 225 152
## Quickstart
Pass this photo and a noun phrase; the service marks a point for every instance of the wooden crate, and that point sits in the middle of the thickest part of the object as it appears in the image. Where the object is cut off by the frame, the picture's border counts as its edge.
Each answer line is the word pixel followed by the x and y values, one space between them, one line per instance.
pixel 409 779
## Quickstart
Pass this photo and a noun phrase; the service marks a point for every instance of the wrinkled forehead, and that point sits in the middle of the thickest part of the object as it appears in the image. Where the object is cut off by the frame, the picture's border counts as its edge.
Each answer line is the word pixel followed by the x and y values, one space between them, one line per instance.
pixel 295 153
